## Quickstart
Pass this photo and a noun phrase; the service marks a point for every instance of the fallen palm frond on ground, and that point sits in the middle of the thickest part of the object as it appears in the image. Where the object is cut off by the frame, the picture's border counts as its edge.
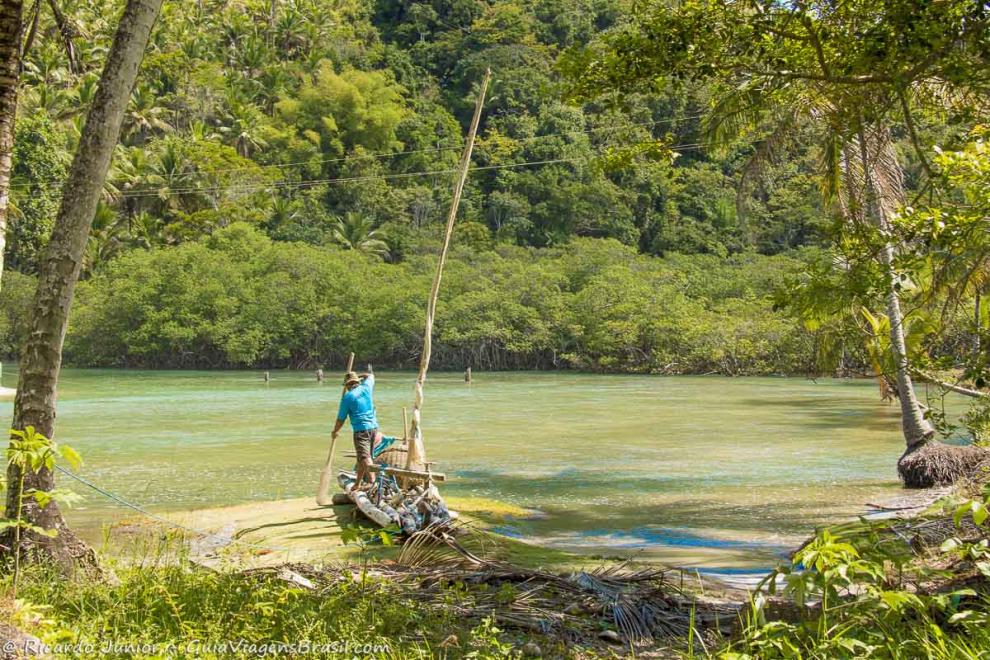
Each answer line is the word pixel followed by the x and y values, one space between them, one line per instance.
pixel 443 568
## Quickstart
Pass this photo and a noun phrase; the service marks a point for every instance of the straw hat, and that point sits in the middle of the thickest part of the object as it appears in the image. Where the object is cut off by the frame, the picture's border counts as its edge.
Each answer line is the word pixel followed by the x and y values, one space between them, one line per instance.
pixel 351 377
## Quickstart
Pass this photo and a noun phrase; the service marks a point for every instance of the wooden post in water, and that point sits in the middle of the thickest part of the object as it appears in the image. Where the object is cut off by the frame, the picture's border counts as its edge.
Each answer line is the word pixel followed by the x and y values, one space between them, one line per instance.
pixel 323 497
pixel 416 457
pixel 405 425
pixel 467 375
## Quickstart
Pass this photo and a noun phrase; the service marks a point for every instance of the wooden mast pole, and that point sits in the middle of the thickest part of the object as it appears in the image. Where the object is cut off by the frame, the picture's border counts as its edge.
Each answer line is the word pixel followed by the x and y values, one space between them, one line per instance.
pixel 323 496
pixel 416 458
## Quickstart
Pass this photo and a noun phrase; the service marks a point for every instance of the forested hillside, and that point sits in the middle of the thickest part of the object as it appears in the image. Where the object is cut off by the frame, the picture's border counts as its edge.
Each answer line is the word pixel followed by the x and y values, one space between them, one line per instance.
pixel 336 125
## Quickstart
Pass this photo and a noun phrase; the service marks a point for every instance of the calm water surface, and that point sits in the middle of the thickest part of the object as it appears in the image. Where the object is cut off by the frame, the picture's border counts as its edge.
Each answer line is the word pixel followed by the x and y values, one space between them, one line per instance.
pixel 701 471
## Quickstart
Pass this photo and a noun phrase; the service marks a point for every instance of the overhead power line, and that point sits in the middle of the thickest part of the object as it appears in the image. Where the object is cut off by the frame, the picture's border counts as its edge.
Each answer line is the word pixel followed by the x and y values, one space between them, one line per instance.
pixel 455 147
pixel 295 185
pixel 429 150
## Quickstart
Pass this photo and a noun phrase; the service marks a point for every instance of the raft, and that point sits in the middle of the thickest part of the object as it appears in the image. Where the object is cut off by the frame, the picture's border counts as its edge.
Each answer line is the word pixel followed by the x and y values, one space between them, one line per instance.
pixel 387 504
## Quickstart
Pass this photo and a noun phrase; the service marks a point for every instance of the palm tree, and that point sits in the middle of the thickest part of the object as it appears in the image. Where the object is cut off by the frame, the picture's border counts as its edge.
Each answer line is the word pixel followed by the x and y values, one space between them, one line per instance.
pixel 146 230
pixel 83 94
pixel 200 130
pixel 271 85
pixel 177 181
pixel 252 53
pixel 284 210
pixel 41 358
pixel 67 31
pixel 145 116
pixel 243 126
pixel 863 178
pixel 356 232
pixel 106 239
pixel 288 31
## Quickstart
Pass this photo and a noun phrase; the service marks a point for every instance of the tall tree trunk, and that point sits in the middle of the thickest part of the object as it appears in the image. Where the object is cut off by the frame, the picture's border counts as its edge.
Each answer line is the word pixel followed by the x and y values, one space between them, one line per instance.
pixel 68 33
pixel 35 19
pixel 272 21
pixel 916 429
pixel 42 355
pixel 878 159
pixel 10 66
pixel 10 69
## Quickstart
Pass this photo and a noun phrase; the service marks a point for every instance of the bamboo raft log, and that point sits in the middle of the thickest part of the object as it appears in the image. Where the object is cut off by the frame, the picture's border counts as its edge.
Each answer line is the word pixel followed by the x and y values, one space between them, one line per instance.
pixel 411 509
pixel 412 475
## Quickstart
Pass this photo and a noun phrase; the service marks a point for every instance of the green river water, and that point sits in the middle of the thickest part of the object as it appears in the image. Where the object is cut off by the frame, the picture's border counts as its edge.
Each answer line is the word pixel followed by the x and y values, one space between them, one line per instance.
pixel 721 473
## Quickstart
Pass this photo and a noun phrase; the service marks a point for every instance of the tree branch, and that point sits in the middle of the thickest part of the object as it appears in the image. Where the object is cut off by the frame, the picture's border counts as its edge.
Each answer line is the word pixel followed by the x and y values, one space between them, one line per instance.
pixel 816 43
pixel 837 80
pixel 35 13
pixel 909 121
pixel 958 389
pixel 67 31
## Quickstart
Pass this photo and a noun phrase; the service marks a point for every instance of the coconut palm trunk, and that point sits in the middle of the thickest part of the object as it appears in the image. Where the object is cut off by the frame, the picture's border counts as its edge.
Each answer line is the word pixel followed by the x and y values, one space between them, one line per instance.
pixel 925 461
pixel 917 430
pixel 883 193
pixel 10 65
pixel 60 266
pixel 876 157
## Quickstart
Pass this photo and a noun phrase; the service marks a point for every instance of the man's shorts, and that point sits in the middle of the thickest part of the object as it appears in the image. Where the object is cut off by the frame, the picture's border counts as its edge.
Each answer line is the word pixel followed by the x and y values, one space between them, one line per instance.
pixel 363 442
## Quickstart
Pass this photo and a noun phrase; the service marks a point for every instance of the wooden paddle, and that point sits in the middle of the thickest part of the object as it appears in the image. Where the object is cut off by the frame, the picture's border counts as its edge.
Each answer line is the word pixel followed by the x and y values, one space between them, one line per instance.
pixel 323 497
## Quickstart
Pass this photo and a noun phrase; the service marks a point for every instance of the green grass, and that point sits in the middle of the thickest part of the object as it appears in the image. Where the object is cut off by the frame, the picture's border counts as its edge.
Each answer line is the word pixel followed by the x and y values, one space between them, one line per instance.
pixel 155 603
pixel 172 609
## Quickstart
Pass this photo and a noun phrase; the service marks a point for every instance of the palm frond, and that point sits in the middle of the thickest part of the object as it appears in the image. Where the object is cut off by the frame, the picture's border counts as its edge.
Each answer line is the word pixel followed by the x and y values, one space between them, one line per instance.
pixel 832 167
pixel 885 170
pixel 850 194
pixel 736 113
pixel 439 544
pixel 768 153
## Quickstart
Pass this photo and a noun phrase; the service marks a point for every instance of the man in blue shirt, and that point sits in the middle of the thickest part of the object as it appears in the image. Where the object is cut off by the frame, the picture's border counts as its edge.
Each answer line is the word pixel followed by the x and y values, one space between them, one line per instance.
pixel 358 404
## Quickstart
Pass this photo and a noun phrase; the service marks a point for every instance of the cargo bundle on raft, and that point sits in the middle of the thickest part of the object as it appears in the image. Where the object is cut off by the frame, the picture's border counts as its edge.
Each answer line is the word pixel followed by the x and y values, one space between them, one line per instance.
pixel 400 496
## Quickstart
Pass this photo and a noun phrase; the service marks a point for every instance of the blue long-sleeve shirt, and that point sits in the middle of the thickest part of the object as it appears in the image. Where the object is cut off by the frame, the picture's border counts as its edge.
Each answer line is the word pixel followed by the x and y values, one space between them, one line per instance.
pixel 359 405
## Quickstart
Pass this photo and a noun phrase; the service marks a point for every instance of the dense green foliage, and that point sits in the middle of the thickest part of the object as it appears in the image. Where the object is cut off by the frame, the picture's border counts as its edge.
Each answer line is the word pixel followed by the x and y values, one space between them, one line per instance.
pixel 284 166
pixel 875 85
pixel 336 124
pixel 326 124
pixel 240 298
pixel 293 115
